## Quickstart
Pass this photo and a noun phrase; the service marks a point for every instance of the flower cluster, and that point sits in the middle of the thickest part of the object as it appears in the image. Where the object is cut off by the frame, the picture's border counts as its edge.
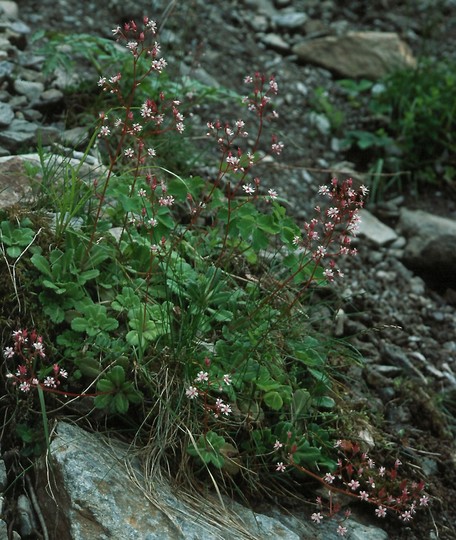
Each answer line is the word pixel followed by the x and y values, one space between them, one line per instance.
pixel 135 124
pixel 358 476
pixel 29 354
pixel 329 235
pixel 229 136
pixel 203 383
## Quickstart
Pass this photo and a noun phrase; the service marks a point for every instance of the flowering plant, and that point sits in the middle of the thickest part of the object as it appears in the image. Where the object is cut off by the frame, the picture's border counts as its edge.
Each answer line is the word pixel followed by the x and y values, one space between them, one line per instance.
pixel 185 295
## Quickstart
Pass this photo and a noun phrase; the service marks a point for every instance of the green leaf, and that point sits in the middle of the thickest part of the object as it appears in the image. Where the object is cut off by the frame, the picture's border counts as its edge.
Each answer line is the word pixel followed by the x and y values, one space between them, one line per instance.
pixel 88 366
pixel 103 401
pixel 120 403
pixel 307 454
pixel 273 400
pixel 42 264
pixel 324 402
pixel 117 375
pixel 300 402
pixel 13 252
pixel 105 385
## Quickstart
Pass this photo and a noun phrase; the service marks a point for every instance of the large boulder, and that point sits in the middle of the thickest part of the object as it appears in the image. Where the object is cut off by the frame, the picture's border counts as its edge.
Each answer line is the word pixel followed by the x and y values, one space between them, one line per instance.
pixel 92 488
pixel 431 246
pixel 100 494
pixel 369 55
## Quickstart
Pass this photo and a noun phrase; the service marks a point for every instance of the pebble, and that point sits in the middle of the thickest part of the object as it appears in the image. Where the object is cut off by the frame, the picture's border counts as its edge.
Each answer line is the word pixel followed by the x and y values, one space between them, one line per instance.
pixel 290 21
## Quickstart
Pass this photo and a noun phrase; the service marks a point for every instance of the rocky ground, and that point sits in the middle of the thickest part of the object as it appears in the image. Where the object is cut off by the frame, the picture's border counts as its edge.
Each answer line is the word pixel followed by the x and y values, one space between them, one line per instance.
pixel 405 329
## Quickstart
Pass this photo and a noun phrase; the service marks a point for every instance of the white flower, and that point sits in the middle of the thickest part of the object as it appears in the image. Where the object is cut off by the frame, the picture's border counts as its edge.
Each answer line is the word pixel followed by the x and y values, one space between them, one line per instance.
pixel 203 376
pixel 191 392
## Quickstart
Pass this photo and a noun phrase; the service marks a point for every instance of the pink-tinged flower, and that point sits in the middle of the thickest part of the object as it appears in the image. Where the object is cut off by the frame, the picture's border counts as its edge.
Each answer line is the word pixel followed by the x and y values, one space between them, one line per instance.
pixel 132 45
pixel 329 478
pixel 341 530
pixel 353 485
pixel 166 201
pixel 364 190
pixel 49 382
pixel 397 463
pixel 117 30
pixel 329 274
pixel 323 190
pixel 152 222
pixel 316 517
pixel 371 482
pixel 24 386
pixel 225 409
pixel 320 252
pixel 406 516
pixel 151 25
pixel 129 152
pixel 296 240
pixel 115 78
pixel 332 212
pixel 248 79
pixel 277 148
pixel 280 467
pixel 154 248
pixel 424 500
pixel 63 373
pixel 277 445
pixel 273 86
pixel 381 471
pixel 159 65
pixel 191 392
pixel 180 127
pixel 8 352
pixel 104 131
pixel 151 152
pixel 203 376
pixel 227 379
pixel 272 194
pixel 363 495
pixel 249 189
pixel 101 81
pixel 142 192
pixel 20 336
pixel 380 512
pixel 233 161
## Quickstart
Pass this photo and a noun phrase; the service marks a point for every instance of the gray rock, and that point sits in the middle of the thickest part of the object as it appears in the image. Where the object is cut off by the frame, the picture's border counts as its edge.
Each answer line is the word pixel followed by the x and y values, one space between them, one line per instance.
pixel 15 184
pixel 431 245
pixel 53 95
pixel 18 132
pixel 105 502
pixel 290 21
pixel 6 69
pixel 3 478
pixel 321 122
pixel 374 230
pixel 357 54
pixel 276 42
pixel 6 114
pixel 9 9
pixel 30 89
pixel 25 515
pixel 259 23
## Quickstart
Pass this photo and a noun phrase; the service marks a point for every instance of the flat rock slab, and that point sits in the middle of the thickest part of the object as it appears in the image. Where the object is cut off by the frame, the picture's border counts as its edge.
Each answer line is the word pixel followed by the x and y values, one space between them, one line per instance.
pixel 15 182
pixel 374 230
pixel 370 55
